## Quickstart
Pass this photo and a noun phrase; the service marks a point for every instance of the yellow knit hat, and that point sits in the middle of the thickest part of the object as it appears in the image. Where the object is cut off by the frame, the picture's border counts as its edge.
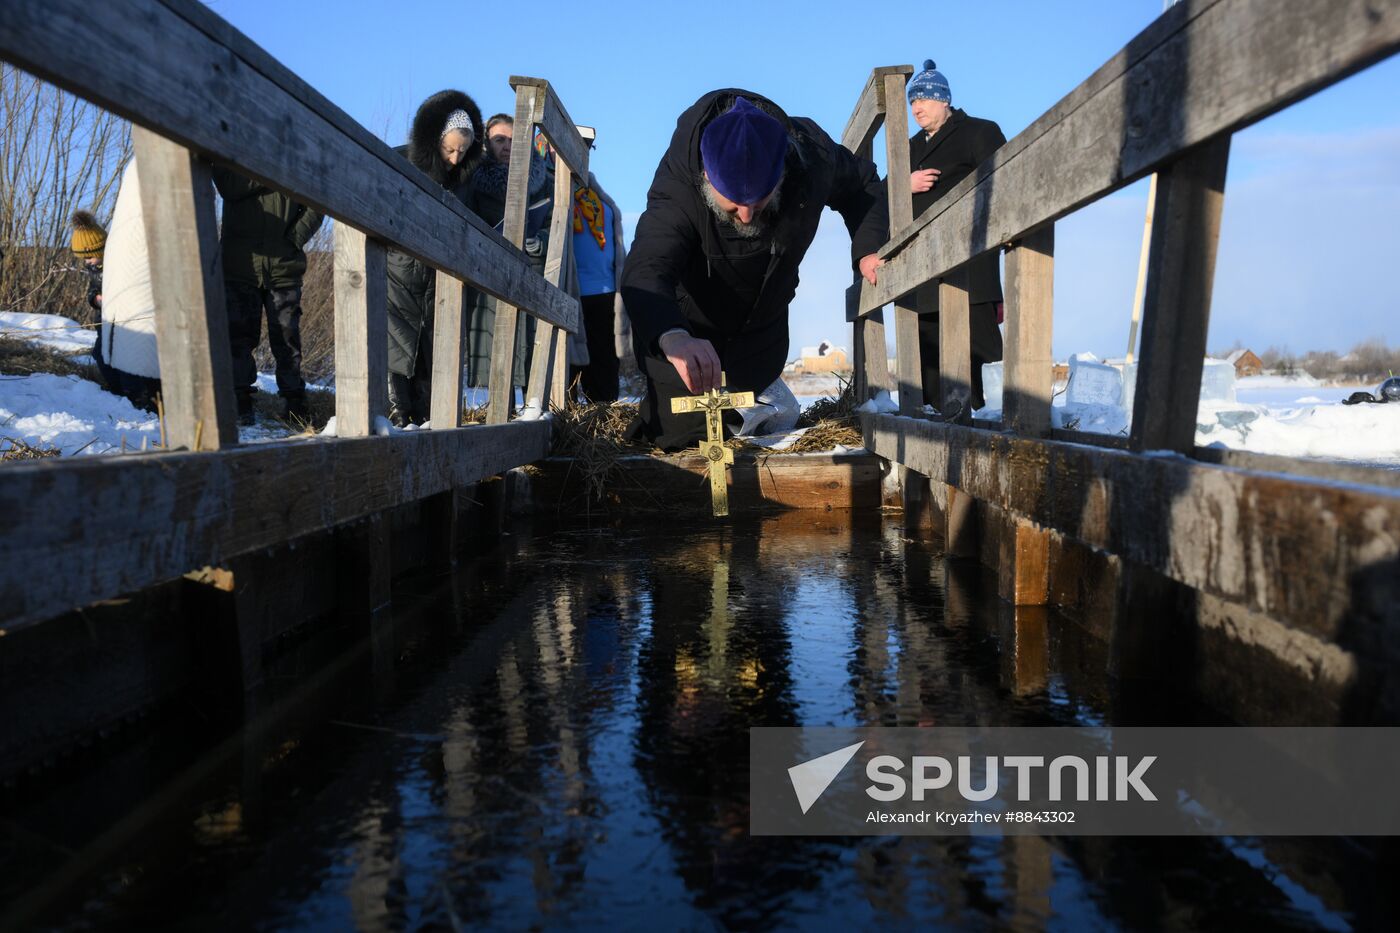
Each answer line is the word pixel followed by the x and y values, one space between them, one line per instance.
pixel 89 239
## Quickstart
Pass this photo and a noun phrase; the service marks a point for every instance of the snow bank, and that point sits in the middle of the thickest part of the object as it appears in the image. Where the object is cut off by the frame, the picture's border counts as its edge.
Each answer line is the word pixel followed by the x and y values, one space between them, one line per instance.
pixel 1345 432
pixel 49 330
pixel 72 414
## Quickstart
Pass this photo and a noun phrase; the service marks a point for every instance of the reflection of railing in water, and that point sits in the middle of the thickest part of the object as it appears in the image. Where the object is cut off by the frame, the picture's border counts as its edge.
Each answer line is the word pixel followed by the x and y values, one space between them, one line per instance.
pixel 199 91
pixel 1257 533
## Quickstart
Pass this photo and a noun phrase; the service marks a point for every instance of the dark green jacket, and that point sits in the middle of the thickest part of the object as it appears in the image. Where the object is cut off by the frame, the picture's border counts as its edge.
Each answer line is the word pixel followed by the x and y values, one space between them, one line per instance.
pixel 264 232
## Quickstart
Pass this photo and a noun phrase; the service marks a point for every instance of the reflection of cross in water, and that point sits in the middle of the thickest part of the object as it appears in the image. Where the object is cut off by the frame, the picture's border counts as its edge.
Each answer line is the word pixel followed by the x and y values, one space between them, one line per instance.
pixel 719 619
pixel 714 403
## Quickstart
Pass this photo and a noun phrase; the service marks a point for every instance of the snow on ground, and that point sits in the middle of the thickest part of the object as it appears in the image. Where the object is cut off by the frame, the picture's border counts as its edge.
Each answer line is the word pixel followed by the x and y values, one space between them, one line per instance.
pixel 50 330
pixel 1325 429
pixel 1291 416
pixel 75 415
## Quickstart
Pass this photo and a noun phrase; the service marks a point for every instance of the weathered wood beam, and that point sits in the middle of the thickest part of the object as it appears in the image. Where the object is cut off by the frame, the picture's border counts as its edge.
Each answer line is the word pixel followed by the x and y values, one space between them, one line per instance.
pixel 871 357
pixel 1176 309
pixel 450 310
pixel 1204 68
pixel 551 117
pixel 222 97
pixel 954 348
pixel 867 118
pixel 1023 567
pixel 870 108
pixel 502 378
pixel 548 337
pixel 1320 556
pixel 901 207
pixel 187 284
pixel 1030 309
pixel 361 285
pixel 104 526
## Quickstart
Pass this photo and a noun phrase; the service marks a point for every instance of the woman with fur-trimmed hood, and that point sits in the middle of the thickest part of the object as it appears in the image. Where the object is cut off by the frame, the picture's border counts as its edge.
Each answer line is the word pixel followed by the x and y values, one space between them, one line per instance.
pixel 444 142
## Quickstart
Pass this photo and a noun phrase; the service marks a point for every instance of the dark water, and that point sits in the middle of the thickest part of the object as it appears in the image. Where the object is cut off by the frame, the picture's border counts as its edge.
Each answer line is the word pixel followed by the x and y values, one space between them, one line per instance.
pixel 555 736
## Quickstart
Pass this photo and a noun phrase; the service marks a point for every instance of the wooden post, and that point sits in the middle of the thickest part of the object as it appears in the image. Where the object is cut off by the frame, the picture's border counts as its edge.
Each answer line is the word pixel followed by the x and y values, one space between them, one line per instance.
pixel 1023 567
pixel 1030 304
pixel 954 348
pixel 1141 288
pixel 513 227
pixel 1176 310
pixel 909 375
pixel 449 345
pixel 543 377
pixel 187 284
pixel 871 358
pixel 361 332
pixel 439 512
pixel 906 320
pixel 364 566
pixel 960 539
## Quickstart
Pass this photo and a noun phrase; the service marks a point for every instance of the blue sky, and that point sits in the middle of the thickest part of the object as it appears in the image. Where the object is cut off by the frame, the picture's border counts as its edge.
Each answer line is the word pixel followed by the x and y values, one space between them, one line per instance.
pixel 1312 197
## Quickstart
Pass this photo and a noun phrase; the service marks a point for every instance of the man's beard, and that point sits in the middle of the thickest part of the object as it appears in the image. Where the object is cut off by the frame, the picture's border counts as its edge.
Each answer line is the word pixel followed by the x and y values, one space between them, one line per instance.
pixel 756 227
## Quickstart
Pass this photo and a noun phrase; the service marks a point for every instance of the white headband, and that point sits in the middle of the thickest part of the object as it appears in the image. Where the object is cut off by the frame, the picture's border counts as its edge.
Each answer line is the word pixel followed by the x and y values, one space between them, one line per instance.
pixel 460 120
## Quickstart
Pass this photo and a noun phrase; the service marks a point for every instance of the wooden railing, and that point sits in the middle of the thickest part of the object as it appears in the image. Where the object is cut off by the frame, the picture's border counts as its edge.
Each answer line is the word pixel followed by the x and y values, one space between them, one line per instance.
pixel 1260 532
pixel 199 92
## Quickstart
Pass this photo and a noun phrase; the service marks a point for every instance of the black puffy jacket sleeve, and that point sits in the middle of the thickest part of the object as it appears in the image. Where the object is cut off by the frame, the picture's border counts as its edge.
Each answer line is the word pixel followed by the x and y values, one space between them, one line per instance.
pixel 858 195
pixel 665 242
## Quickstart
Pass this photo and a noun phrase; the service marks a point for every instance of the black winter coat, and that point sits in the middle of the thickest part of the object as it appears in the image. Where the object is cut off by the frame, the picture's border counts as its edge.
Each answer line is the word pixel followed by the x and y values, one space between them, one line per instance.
pixel 682 271
pixel 412 285
pixel 960 145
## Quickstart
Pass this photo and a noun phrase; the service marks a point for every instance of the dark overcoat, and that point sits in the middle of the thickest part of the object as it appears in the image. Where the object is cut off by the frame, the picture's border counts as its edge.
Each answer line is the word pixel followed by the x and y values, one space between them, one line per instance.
pixel 960 145
pixel 412 285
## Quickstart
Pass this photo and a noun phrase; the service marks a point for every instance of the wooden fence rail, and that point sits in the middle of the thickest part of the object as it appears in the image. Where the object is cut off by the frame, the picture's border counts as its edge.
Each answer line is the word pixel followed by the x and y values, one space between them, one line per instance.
pixel 198 91
pixel 1310 544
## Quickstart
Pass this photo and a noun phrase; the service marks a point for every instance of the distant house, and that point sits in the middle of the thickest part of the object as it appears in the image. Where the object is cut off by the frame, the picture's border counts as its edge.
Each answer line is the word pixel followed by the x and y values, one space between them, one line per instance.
pixel 826 357
pixel 1246 363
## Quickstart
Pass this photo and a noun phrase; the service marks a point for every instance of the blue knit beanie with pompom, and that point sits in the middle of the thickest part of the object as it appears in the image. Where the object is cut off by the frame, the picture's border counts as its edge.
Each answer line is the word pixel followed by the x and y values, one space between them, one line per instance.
pixel 930 84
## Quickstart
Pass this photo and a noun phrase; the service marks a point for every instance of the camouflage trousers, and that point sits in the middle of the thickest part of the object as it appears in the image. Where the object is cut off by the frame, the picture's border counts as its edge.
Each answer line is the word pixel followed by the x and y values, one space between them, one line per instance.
pixel 246 307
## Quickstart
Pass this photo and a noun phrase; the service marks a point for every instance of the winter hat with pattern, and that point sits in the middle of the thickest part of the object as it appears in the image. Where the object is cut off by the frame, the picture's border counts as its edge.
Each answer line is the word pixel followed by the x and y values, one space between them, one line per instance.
pixel 461 121
pixel 89 239
pixel 743 150
pixel 929 84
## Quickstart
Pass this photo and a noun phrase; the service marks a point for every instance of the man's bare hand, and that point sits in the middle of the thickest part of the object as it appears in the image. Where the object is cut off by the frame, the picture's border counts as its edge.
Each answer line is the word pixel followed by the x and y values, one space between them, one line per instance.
pixel 695 360
pixel 923 179
pixel 868 265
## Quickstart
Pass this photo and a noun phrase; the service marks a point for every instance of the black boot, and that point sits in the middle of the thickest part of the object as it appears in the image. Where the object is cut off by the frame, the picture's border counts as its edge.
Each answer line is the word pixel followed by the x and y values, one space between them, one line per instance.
pixel 297 414
pixel 400 400
pixel 245 410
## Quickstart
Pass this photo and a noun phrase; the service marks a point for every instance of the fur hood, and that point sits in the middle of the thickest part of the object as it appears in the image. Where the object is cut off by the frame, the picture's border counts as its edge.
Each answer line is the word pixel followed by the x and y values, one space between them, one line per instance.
pixel 426 133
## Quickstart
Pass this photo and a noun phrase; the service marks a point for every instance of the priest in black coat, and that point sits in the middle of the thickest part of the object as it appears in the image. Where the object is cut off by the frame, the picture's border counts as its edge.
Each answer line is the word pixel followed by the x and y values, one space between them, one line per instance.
pixel 732 210
pixel 947 148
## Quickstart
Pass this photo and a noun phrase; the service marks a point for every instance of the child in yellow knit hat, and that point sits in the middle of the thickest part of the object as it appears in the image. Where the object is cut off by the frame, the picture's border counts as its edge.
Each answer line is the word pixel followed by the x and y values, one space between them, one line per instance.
pixel 88 242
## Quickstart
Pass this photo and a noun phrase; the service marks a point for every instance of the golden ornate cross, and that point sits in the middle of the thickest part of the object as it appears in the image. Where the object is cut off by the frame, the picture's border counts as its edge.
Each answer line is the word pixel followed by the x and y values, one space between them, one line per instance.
pixel 713 403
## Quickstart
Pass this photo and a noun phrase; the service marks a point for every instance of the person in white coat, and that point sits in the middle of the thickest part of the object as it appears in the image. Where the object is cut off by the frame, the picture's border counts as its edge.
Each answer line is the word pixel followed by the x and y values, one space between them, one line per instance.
pixel 126 342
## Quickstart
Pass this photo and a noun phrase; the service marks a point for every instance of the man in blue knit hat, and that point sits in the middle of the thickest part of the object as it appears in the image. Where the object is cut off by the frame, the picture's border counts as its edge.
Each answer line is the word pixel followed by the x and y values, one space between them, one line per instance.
pixel 734 205
pixel 948 146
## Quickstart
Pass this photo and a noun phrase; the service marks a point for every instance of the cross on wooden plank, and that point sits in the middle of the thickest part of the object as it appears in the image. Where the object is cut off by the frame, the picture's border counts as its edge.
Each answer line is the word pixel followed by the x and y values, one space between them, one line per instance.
pixel 714 403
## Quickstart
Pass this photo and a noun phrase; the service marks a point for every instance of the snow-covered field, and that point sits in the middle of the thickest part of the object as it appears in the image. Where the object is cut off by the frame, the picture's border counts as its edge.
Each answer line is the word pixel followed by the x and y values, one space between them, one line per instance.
pixel 1291 416
pixel 1287 416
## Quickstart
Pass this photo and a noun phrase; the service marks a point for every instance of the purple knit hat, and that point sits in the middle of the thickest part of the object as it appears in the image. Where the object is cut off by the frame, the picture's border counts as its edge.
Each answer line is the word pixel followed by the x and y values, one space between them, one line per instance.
pixel 743 151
